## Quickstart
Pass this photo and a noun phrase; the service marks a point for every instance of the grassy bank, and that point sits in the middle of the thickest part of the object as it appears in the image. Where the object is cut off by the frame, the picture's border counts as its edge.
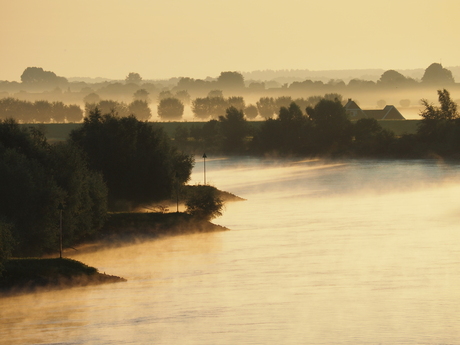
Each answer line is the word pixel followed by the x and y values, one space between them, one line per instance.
pixel 33 274
pixel 132 225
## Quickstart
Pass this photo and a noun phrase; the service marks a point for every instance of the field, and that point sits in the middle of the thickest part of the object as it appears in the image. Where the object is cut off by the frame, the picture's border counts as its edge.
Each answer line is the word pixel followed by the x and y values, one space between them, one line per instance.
pixel 60 131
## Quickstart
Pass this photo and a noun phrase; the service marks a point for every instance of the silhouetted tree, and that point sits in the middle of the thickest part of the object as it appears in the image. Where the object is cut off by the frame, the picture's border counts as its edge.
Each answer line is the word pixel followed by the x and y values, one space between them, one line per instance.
pixel 266 107
pixel 237 102
pixel 204 203
pixel 170 109
pixel 332 130
pixel 6 243
pixel 288 134
pixel 92 98
pixel 183 96
pixel 36 178
pixel 140 109
pixel 200 108
pixel 437 75
pixel 231 80
pixel 371 139
pixel 215 93
pixel 440 126
pixel 36 75
pixel 142 95
pixel 135 157
pixel 133 77
pixel 234 130
pixel 392 78
pixel 251 111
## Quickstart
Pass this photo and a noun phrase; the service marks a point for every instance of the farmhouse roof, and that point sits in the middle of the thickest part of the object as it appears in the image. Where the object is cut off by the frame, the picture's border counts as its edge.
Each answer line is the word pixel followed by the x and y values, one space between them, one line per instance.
pixel 388 113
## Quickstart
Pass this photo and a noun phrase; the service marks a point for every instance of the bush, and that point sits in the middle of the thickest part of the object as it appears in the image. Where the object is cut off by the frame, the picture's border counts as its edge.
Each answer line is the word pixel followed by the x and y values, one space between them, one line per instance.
pixel 204 203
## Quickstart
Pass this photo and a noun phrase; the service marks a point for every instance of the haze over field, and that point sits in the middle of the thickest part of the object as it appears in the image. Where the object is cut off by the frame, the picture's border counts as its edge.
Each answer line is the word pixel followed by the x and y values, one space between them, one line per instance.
pixel 200 38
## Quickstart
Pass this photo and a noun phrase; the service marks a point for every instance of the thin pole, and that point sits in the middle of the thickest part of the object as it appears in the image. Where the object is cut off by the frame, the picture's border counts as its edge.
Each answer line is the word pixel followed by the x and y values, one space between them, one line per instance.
pixel 177 194
pixel 204 166
pixel 60 234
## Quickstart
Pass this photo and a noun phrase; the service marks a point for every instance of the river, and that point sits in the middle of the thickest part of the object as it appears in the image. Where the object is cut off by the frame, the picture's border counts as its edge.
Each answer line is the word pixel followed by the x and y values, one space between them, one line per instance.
pixel 321 252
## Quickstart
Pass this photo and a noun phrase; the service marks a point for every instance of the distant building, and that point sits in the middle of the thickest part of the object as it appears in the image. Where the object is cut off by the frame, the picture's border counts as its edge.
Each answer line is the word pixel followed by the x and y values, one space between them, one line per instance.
pixel 387 113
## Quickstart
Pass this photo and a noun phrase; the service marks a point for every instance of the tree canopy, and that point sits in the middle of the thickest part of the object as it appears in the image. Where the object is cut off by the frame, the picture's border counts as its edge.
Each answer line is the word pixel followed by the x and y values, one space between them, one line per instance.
pixel 136 158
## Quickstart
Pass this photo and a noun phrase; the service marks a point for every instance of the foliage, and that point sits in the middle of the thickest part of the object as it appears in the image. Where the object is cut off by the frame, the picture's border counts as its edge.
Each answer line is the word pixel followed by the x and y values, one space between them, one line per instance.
pixel 440 126
pixel 210 106
pixel 234 130
pixel 371 139
pixel 436 74
pixel 170 109
pixel 141 95
pixel 332 130
pixel 204 203
pixel 133 77
pixel 39 111
pixel 136 158
pixel 231 80
pixel 6 243
pixel 266 107
pixel 251 111
pixel 288 134
pixel 140 109
pixel 35 75
pixel 37 177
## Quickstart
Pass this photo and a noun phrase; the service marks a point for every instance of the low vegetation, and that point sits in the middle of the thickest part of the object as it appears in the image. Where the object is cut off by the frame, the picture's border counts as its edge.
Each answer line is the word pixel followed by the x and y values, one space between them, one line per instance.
pixel 28 275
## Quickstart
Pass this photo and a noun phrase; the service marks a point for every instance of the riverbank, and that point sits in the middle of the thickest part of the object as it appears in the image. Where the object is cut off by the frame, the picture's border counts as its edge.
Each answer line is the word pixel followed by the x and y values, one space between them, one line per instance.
pixel 34 274
pixel 28 275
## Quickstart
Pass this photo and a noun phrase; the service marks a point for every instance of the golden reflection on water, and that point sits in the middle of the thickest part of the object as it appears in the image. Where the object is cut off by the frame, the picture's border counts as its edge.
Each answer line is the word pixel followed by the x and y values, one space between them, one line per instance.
pixel 332 253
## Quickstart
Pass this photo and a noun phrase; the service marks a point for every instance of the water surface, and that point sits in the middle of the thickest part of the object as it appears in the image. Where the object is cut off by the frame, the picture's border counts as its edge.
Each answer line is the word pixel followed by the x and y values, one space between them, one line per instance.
pixel 349 252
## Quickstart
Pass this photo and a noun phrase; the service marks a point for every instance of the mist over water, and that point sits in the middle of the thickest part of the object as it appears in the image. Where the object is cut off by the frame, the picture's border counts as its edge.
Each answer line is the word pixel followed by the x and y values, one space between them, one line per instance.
pixel 321 252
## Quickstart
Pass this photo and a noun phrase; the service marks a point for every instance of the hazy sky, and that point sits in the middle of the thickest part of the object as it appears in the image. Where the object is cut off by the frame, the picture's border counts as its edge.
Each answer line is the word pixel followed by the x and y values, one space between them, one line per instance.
pixel 200 38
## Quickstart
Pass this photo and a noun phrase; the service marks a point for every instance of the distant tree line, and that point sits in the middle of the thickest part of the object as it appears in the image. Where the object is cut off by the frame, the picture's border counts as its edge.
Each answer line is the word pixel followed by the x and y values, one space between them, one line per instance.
pixel 324 129
pixel 39 111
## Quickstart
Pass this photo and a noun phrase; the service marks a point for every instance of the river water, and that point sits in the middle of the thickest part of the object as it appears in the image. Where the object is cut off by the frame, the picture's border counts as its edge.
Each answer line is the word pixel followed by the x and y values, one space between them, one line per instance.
pixel 321 252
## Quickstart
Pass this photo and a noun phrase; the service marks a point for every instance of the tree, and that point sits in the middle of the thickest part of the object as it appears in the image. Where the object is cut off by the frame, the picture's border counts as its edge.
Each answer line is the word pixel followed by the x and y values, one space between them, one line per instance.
pixel 36 75
pixel 37 177
pixel 183 96
pixel 332 130
pixel 371 139
pixel 6 243
pixel 392 78
pixel 133 77
pixel 92 98
pixel 141 95
pixel 231 80
pixel 436 74
pixel 440 126
pixel 204 203
pixel 266 107
pixel 237 102
pixel 135 158
pixel 170 109
pixel 215 93
pixel 140 109
pixel 251 111
pixel 288 134
pixel 234 129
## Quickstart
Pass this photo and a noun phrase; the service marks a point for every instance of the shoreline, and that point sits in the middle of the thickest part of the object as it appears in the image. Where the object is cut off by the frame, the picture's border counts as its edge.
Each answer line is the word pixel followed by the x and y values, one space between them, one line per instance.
pixel 32 275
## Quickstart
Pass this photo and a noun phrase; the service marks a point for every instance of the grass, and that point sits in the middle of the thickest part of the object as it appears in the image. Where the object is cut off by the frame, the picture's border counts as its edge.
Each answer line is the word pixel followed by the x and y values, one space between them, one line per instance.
pixel 30 274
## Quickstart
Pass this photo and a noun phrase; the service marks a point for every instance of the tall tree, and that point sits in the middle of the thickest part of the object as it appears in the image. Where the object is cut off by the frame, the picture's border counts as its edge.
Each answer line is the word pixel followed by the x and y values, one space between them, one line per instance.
pixel 332 129
pixel 136 158
pixel 234 129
